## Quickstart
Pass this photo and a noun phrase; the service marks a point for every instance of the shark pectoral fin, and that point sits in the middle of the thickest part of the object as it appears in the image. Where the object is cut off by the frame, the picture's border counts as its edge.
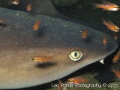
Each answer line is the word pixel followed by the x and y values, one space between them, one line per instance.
pixel 44 7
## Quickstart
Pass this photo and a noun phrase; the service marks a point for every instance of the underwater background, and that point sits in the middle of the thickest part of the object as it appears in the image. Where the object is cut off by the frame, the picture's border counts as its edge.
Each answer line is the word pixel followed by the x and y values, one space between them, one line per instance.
pixel 82 10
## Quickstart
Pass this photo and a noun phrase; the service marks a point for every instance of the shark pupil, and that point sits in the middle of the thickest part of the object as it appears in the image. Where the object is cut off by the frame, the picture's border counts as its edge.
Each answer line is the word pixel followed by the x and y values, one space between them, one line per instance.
pixel 75 54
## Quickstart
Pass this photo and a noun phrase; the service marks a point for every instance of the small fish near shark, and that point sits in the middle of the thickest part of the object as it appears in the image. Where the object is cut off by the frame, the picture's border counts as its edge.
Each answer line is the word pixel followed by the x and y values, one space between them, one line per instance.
pixel 58 38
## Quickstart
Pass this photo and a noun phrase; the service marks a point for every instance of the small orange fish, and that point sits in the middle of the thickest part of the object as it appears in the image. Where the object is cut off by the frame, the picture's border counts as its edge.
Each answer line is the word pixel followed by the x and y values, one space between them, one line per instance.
pixel 15 2
pixel 116 57
pixel 29 7
pixel 84 33
pixel 116 71
pixel 43 59
pixel 116 35
pixel 77 80
pixel 104 40
pixel 2 21
pixel 36 25
pixel 111 26
pixel 60 85
pixel 107 6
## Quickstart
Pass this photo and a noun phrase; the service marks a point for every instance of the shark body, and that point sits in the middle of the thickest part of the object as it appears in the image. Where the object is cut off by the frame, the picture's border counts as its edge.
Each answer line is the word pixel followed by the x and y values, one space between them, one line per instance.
pixel 56 37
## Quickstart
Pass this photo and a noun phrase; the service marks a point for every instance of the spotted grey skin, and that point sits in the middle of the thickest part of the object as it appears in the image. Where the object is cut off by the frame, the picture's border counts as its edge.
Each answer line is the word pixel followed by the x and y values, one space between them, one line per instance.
pixel 19 44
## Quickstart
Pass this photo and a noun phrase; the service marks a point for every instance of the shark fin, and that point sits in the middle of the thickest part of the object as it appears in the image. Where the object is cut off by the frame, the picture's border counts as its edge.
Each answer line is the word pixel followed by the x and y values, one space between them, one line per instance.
pixel 44 7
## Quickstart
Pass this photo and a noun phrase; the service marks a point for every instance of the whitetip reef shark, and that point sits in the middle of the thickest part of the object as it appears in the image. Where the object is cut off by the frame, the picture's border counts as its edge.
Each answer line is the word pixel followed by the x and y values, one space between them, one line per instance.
pixel 56 37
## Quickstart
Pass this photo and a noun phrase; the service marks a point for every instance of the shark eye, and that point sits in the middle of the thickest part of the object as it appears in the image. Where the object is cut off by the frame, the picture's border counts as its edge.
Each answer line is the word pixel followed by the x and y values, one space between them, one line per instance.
pixel 75 55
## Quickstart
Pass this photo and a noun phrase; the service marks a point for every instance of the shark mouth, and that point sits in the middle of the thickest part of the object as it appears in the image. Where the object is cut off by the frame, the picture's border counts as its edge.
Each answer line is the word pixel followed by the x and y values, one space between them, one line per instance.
pixel 102 61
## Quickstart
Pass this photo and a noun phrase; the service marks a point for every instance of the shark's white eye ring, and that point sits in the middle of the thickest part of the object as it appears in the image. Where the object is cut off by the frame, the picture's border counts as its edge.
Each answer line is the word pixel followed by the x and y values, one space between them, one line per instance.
pixel 75 55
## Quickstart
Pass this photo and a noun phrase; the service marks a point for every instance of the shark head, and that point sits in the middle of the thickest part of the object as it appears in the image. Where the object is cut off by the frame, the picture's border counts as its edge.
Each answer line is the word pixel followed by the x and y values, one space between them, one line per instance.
pixel 56 37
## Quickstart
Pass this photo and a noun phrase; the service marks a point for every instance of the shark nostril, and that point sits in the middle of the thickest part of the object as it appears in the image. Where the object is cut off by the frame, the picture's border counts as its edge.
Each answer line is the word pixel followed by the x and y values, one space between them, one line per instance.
pixel 75 55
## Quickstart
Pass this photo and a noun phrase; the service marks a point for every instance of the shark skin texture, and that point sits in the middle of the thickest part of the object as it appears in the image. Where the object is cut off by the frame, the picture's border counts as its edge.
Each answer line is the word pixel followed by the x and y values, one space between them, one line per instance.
pixel 56 37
